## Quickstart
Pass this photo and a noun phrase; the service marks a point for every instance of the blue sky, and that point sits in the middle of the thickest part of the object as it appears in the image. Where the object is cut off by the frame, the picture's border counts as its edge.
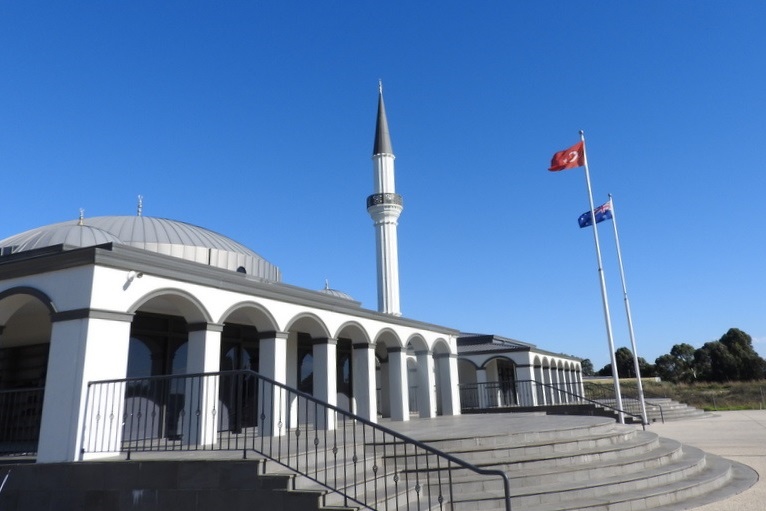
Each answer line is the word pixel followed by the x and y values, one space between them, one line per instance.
pixel 256 120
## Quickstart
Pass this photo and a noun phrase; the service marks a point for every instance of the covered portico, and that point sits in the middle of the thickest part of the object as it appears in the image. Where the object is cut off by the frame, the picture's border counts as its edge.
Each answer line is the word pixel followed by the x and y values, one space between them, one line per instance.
pixel 114 311
pixel 501 372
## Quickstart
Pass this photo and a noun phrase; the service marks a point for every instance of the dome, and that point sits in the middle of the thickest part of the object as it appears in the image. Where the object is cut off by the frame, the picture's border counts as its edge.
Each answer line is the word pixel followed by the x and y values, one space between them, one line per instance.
pixel 160 235
pixel 67 234
pixel 335 293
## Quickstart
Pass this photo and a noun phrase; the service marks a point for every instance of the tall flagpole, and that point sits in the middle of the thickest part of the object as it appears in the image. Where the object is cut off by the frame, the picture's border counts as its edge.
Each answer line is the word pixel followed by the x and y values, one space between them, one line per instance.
pixel 607 318
pixel 627 312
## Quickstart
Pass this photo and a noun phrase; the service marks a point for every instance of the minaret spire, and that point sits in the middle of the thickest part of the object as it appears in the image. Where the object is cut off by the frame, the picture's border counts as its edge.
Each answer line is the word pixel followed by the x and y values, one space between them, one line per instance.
pixel 385 206
pixel 382 143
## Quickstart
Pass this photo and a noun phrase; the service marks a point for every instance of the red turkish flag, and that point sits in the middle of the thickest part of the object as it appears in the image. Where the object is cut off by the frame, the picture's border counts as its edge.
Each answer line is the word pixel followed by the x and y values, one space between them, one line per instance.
pixel 568 158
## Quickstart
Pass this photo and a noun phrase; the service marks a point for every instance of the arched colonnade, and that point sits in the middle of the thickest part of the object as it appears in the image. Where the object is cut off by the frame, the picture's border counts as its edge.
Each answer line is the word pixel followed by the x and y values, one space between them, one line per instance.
pixel 98 323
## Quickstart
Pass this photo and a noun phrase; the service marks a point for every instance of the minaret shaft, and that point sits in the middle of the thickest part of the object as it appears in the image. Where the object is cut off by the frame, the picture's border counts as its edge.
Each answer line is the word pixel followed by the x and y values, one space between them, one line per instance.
pixel 385 206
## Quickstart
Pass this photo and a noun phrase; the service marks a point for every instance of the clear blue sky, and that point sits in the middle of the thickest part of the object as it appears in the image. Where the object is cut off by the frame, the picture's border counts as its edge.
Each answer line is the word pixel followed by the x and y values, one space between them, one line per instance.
pixel 256 120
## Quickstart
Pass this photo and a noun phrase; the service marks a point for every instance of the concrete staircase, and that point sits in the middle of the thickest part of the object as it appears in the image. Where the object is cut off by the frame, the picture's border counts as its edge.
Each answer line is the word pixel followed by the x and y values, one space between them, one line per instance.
pixel 555 463
pixel 671 410
pixel 152 485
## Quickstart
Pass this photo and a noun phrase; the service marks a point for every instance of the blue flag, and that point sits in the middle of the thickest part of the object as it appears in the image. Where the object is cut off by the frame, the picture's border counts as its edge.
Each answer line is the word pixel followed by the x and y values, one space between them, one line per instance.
pixel 603 212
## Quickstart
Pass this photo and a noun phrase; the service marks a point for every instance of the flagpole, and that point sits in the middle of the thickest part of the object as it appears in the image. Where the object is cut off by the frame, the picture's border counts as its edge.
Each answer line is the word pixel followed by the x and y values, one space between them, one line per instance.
pixel 627 312
pixel 607 318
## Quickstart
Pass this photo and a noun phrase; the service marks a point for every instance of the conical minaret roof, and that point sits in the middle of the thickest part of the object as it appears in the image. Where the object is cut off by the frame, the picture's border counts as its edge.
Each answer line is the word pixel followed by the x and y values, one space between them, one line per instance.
pixel 382 136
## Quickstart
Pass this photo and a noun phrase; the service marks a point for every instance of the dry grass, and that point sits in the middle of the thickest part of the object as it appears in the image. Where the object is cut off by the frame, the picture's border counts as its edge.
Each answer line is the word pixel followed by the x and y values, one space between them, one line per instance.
pixel 707 396
pixel 713 396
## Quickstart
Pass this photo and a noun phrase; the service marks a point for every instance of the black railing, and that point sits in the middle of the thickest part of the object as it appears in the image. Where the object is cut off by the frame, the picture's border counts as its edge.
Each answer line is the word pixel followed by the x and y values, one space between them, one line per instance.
pixel 531 393
pixel 513 393
pixel 605 396
pixel 362 462
pixel 20 415
pixel 629 391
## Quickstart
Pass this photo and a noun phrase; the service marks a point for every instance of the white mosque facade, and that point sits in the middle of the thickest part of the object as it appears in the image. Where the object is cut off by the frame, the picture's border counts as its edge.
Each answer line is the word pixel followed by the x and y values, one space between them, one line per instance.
pixel 109 298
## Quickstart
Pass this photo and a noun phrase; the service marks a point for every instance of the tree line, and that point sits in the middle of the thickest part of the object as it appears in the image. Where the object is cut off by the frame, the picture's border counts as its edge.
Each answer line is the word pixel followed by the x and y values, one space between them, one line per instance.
pixel 730 358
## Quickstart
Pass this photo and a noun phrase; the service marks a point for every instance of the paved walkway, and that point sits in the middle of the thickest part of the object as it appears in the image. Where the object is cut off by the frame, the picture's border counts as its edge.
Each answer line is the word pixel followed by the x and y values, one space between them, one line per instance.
pixel 739 436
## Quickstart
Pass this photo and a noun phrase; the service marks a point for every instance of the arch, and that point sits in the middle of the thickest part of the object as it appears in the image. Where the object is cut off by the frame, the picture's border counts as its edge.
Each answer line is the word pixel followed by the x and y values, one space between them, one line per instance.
pixel 171 300
pixel 25 320
pixel 441 347
pixel 385 339
pixel 16 297
pixel 496 357
pixel 250 313
pixel 417 343
pixel 353 330
pixel 309 323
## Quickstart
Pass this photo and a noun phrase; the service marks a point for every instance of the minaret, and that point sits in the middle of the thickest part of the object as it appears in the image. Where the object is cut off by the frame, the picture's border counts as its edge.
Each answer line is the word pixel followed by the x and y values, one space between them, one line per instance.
pixel 385 206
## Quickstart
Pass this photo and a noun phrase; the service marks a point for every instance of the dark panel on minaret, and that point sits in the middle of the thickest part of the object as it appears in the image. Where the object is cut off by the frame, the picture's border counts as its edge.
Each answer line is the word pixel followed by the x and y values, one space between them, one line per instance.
pixel 382 137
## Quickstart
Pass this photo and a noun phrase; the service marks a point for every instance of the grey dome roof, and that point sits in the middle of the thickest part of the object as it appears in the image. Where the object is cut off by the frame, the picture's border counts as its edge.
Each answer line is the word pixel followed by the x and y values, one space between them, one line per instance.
pixel 169 237
pixel 64 234
pixel 335 292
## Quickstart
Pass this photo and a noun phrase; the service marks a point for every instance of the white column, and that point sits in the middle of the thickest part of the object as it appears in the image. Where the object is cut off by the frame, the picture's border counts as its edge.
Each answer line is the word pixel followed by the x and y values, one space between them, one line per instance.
pixel 448 380
pixel 399 392
pixel 555 395
pixel 568 387
pixel 481 387
pixel 493 390
pixel 272 363
pixel 426 384
pixel 325 380
pixel 551 398
pixel 201 395
pixel 384 374
pixel 525 385
pixel 86 346
pixel 363 368
pixel 542 395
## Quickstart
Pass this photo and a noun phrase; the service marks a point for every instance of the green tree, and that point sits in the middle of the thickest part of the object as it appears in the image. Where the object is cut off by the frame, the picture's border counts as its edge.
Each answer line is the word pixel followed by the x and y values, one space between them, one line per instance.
pixel 605 371
pixel 587 367
pixel 750 366
pixel 626 367
pixel 731 358
pixel 678 365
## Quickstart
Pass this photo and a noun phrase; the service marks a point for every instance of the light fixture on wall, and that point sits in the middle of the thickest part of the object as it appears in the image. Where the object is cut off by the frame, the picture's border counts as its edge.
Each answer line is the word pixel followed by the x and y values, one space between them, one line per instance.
pixel 132 274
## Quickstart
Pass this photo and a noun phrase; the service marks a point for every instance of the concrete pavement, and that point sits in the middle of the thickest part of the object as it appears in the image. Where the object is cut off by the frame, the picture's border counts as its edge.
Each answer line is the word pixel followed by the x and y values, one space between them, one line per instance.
pixel 739 436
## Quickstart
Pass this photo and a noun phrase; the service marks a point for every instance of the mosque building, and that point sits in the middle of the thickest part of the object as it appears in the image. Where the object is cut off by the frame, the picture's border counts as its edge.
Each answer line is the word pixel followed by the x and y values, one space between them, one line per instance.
pixel 116 297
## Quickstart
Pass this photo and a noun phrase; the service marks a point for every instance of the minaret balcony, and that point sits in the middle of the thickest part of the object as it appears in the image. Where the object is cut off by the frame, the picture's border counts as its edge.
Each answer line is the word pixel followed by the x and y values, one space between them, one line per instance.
pixel 377 199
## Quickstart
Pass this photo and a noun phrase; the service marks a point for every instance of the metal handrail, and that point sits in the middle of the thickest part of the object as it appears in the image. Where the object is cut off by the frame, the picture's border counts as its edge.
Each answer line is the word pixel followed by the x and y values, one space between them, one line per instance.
pixel 20 414
pixel 628 388
pixel 324 443
pixel 531 393
pixel 602 404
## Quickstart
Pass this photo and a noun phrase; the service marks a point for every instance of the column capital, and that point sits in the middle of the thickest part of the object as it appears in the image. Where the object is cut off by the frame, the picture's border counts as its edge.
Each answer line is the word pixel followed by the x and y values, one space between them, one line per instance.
pixel 272 334
pixel 75 314
pixel 356 345
pixel 204 326
pixel 319 341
